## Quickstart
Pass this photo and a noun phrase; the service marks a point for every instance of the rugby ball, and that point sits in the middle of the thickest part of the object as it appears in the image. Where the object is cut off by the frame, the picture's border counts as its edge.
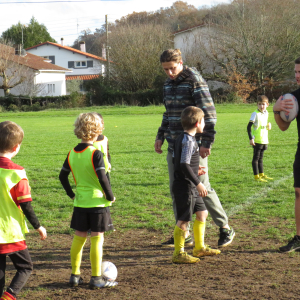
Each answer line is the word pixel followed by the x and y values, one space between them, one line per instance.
pixel 109 271
pixel 289 117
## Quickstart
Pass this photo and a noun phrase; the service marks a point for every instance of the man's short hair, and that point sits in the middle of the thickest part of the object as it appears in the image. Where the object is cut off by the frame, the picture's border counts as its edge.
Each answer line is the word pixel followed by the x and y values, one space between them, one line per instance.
pixel 190 116
pixel 171 55
pixel 262 99
pixel 11 134
pixel 297 61
pixel 88 126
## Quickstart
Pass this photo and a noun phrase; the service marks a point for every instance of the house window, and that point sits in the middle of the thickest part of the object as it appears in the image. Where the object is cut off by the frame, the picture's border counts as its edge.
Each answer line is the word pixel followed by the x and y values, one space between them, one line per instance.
pixel 51 58
pixel 80 64
pixel 51 88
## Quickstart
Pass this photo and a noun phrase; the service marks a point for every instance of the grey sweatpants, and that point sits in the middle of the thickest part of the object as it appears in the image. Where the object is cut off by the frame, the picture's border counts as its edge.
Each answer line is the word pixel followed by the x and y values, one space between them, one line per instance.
pixel 212 202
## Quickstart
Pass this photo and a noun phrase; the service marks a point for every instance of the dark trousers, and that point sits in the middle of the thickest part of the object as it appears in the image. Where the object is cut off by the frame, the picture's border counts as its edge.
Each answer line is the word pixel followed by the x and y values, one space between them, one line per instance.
pixel 23 264
pixel 258 155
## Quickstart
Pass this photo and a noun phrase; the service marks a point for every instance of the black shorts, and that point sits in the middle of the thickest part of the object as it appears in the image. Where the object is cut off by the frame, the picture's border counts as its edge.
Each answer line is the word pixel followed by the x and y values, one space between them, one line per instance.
pixel 187 201
pixel 296 168
pixel 94 219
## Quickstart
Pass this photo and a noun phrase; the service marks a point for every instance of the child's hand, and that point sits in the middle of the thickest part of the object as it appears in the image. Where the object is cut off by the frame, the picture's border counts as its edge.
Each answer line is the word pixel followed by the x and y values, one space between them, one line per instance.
pixel 113 200
pixel 269 126
pixel 42 231
pixel 201 190
pixel 201 171
pixel 252 142
pixel 109 166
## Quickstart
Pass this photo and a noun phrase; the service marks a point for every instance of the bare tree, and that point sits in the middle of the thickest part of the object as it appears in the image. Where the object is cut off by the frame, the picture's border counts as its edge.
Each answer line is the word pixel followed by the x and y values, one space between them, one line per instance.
pixel 255 39
pixel 13 71
pixel 28 87
pixel 135 52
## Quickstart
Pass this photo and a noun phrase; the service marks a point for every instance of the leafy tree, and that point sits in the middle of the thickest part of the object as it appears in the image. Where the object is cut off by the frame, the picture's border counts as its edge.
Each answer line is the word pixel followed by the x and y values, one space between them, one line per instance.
pixel 33 34
pixel 180 15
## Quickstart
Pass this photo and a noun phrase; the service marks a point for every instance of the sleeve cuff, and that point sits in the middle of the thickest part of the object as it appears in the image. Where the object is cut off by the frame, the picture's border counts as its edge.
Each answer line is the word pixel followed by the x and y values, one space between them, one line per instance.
pixel 205 144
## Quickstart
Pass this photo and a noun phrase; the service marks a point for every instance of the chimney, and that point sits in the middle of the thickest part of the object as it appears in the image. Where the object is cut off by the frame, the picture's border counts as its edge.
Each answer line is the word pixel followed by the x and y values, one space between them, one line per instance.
pixel 82 46
pixel 62 41
pixel 103 52
pixel 18 49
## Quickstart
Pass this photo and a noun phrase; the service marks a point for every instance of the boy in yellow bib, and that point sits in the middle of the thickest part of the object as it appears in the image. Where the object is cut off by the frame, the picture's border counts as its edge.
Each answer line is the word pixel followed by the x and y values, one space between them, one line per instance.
pixel 91 201
pixel 259 137
pixel 15 202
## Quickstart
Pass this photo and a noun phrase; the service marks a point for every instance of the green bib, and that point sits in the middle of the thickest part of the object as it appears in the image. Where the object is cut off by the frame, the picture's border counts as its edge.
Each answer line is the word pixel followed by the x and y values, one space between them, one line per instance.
pixel 102 146
pixel 260 131
pixel 89 192
pixel 12 220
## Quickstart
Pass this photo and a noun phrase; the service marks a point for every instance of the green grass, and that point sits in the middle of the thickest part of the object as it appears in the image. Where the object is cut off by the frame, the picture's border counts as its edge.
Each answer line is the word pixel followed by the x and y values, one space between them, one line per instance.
pixel 139 175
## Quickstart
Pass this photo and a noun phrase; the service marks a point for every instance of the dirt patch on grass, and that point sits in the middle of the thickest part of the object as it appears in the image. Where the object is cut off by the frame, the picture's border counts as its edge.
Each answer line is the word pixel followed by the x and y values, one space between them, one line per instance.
pixel 251 268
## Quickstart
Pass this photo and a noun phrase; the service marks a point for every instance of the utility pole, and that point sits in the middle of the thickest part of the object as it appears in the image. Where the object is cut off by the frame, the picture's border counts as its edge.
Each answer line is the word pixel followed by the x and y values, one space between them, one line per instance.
pixel 107 50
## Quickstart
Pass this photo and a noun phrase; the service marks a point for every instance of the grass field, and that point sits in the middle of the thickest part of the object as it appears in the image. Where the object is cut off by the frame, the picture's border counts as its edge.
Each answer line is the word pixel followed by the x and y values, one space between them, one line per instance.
pixel 139 175
pixel 262 214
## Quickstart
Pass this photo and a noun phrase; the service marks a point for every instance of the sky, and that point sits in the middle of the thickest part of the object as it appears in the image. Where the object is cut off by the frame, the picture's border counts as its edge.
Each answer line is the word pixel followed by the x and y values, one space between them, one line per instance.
pixel 67 18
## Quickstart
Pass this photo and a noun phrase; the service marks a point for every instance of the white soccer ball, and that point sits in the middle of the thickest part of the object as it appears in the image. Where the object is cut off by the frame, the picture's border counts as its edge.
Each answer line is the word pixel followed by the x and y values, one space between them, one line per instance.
pixel 289 117
pixel 109 271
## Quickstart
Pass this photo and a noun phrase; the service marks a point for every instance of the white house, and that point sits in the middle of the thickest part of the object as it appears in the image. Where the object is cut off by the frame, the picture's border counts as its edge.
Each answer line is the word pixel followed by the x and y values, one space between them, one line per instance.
pixel 37 77
pixel 85 66
pixel 195 44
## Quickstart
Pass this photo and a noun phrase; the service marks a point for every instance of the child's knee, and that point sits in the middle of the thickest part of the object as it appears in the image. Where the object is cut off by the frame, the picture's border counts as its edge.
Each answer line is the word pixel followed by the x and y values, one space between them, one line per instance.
pixel 201 215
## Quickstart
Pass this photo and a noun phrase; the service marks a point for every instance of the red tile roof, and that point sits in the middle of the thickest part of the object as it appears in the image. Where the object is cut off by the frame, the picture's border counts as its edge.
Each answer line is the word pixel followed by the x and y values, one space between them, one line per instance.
pixel 189 28
pixel 69 49
pixel 81 77
pixel 29 60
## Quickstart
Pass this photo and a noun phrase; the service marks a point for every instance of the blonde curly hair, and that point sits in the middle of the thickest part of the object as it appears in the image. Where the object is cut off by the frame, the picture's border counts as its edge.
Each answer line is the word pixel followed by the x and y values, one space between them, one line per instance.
pixel 88 126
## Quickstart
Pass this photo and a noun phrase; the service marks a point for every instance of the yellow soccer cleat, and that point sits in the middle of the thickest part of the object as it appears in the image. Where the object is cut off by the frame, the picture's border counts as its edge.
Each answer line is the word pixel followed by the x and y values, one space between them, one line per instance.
pixel 205 251
pixel 260 179
pixel 265 177
pixel 184 258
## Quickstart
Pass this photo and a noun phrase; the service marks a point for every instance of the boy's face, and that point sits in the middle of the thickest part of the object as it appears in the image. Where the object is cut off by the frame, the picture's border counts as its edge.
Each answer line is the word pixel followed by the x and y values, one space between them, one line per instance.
pixel 172 68
pixel 262 106
pixel 200 126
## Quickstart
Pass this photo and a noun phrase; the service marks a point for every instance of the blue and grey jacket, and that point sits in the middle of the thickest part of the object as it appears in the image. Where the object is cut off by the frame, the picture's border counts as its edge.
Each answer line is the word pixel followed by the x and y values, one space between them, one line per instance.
pixel 188 89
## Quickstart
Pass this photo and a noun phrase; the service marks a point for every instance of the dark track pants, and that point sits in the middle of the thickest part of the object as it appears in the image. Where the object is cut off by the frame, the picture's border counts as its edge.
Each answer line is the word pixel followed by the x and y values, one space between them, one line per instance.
pixel 23 264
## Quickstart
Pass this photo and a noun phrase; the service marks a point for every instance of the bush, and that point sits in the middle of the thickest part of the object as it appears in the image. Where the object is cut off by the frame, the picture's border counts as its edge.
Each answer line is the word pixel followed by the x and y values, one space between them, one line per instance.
pixel 104 94
pixel 36 107
pixel 13 107
pixel 25 107
pixel 233 97
pixel 51 105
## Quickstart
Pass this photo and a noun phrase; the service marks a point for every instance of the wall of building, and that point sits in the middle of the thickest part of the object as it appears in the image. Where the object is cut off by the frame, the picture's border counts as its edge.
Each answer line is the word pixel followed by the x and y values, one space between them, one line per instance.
pixel 63 56
pixel 41 84
pixel 54 83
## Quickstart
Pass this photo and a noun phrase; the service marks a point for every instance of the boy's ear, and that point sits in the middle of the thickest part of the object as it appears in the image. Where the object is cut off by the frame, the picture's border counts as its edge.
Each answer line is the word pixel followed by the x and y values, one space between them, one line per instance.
pixel 14 148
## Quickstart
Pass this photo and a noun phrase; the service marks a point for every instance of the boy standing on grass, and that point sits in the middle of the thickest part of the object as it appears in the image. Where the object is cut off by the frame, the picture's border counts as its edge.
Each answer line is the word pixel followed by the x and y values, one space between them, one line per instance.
pixel 188 190
pixel 102 144
pixel 259 137
pixel 15 202
pixel 92 200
